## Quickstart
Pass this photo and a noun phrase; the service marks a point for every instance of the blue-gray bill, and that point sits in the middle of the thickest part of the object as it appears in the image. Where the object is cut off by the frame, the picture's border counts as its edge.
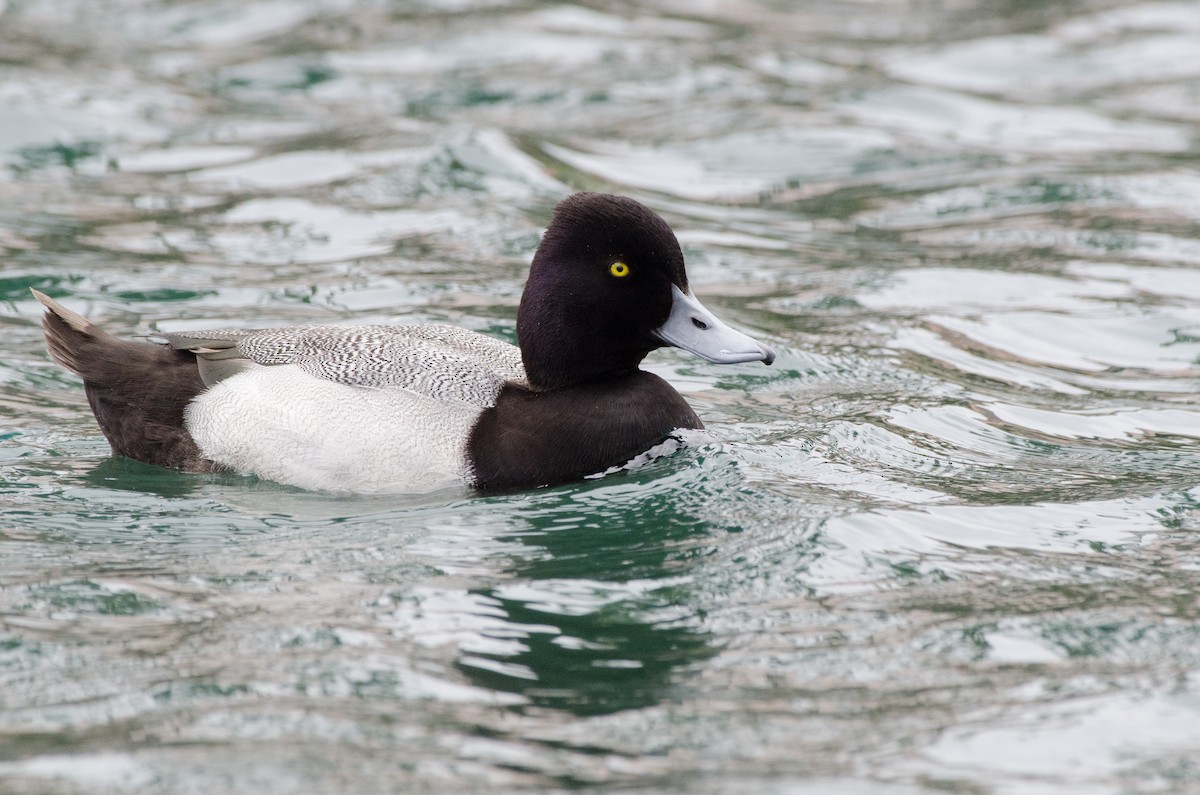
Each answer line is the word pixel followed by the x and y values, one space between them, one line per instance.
pixel 694 328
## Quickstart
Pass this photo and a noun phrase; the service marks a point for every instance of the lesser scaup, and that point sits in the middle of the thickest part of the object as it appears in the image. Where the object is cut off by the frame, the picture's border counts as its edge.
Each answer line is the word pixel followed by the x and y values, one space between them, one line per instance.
pixel 401 408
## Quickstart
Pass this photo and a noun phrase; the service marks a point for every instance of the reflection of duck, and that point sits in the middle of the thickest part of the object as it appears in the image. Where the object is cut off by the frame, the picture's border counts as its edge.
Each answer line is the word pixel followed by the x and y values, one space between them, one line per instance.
pixel 395 408
pixel 602 611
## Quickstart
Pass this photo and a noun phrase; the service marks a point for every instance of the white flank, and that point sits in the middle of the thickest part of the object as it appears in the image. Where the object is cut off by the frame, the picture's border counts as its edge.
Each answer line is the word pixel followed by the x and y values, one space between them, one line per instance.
pixel 283 424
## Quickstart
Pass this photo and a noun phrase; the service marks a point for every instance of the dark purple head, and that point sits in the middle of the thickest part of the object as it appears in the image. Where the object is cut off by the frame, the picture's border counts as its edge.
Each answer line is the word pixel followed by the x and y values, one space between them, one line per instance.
pixel 606 287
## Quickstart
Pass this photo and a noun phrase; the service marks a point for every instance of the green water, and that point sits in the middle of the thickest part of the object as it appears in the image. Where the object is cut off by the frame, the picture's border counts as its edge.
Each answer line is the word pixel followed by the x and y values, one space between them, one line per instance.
pixel 947 543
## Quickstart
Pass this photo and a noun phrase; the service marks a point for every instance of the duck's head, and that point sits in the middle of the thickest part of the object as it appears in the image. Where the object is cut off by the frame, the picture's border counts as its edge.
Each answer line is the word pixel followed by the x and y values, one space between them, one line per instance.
pixel 606 287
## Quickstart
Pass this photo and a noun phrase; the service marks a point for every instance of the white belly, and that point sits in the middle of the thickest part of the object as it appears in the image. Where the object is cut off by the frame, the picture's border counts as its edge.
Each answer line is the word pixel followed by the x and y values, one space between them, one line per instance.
pixel 282 424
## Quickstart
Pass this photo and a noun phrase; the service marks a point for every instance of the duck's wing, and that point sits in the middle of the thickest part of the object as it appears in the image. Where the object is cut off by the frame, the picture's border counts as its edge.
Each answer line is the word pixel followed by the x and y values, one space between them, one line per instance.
pixel 440 362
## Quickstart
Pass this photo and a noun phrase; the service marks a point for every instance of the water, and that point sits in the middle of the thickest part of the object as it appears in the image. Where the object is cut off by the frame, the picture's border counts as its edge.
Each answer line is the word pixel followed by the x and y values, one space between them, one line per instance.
pixel 946 544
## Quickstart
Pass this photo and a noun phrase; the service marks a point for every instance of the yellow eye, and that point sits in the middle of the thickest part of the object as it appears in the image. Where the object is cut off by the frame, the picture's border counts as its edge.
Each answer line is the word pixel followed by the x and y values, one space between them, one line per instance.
pixel 619 269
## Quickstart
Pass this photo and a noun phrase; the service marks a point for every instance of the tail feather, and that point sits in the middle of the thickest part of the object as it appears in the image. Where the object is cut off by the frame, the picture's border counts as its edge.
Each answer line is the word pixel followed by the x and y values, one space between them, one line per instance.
pixel 66 331
pixel 137 390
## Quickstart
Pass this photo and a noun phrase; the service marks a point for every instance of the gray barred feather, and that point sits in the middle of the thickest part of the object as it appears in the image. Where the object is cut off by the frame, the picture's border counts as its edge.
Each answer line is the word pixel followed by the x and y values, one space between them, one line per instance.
pixel 440 362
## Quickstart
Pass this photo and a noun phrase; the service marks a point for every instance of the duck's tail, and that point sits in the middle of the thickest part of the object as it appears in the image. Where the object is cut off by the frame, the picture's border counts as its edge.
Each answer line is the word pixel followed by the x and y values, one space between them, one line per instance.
pixel 137 390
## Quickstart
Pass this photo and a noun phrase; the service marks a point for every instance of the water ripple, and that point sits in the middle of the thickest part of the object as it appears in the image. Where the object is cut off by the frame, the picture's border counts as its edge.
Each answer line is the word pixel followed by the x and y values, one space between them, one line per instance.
pixel 945 543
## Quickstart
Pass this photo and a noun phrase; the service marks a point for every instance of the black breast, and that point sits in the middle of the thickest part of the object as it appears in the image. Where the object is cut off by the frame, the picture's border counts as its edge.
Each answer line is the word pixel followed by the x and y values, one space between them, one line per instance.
pixel 542 438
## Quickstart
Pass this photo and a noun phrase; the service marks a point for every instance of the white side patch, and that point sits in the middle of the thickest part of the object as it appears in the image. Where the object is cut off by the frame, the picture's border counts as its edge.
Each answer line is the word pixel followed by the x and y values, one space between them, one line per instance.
pixel 283 424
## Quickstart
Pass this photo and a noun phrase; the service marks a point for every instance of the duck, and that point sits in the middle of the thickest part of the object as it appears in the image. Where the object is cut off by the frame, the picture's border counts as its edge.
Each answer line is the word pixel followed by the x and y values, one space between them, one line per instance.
pixel 401 408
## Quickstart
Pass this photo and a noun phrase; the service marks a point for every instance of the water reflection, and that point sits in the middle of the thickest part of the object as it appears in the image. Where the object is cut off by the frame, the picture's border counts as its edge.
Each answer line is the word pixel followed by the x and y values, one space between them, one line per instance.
pixel 608 657
pixel 125 474
pixel 600 618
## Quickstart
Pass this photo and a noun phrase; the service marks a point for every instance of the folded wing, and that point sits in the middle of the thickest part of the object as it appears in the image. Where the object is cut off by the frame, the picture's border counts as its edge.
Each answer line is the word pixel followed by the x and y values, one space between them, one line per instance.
pixel 440 362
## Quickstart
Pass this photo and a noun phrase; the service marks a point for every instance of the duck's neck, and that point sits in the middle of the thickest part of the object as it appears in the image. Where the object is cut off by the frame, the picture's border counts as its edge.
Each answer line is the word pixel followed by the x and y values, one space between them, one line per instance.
pixel 559 366
pixel 553 360
pixel 559 352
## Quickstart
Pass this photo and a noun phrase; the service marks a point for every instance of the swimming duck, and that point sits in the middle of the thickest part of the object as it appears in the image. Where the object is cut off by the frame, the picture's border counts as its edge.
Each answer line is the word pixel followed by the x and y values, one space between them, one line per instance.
pixel 379 408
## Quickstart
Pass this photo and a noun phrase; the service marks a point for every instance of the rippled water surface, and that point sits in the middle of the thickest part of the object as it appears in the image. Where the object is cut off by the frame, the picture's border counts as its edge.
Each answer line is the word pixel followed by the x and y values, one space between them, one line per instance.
pixel 948 543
